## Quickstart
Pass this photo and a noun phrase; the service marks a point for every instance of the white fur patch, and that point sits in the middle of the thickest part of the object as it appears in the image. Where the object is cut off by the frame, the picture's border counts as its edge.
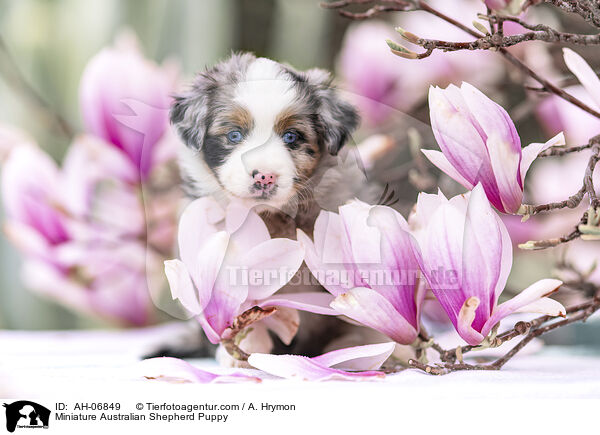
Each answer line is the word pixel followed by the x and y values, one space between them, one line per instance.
pixel 265 93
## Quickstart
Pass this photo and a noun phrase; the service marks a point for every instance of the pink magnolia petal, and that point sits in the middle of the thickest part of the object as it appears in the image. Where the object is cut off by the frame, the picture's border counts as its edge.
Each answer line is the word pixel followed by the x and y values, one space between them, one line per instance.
pixel 29 241
pixel 531 151
pixel 506 260
pixel 368 357
pixel 301 367
pixel 313 302
pixel 546 306
pixel 456 133
pixel 209 263
pixel 197 223
pixel 442 247
pixel 464 322
pixel 462 138
pixel 31 199
pixel 88 162
pixel 364 239
pixel 440 160
pixel 584 73
pixel 492 118
pixel 42 277
pixel 236 215
pixel 181 285
pixel 371 309
pixel 112 77
pixel 531 294
pixel 400 255
pixel 427 205
pixel 329 235
pixel 225 303
pixel 177 370
pixel 274 263
pixel 482 255
pixel 250 229
pixel 317 266
pixel 505 164
pixel 213 336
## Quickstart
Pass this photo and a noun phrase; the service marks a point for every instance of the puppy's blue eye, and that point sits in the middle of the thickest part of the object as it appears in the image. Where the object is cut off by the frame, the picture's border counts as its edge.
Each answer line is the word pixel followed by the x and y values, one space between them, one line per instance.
pixel 290 137
pixel 235 136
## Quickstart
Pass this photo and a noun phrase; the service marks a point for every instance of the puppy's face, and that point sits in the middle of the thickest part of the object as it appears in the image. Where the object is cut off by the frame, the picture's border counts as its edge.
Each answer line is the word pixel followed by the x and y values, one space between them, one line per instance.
pixel 260 128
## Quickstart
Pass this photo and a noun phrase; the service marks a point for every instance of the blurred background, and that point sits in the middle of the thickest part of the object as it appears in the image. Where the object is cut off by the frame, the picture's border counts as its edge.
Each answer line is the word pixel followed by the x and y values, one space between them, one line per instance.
pixel 46 44
pixel 51 42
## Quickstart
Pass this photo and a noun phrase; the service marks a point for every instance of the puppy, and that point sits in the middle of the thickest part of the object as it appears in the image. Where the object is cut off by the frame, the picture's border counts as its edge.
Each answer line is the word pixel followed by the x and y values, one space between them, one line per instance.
pixel 264 133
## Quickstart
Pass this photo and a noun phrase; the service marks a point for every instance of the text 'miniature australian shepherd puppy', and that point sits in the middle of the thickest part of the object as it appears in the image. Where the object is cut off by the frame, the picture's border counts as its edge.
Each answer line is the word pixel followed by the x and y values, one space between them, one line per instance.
pixel 264 133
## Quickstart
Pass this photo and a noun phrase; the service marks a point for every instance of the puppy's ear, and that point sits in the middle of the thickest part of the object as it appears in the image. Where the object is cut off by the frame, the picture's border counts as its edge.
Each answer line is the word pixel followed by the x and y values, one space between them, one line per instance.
pixel 338 118
pixel 189 111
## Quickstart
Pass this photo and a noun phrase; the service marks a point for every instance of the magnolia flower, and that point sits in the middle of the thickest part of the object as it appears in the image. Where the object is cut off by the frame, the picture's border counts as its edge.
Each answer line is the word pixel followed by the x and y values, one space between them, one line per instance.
pixel 72 255
pixel 117 83
pixel 367 259
pixel 353 363
pixel 30 201
pixel 229 263
pixel 467 257
pixel 94 230
pixel 480 144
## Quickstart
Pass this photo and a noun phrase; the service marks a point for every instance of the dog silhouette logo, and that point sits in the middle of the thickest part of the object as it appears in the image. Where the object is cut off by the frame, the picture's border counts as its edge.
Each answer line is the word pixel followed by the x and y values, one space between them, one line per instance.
pixel 26 414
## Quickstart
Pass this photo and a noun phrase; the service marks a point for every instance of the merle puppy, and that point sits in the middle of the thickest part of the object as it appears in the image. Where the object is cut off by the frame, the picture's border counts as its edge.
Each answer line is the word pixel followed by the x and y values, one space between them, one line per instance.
pixel 264 133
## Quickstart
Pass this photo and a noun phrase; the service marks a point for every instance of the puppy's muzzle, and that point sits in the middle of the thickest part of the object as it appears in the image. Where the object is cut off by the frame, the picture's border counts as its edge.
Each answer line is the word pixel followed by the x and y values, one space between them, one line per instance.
pixel 265 183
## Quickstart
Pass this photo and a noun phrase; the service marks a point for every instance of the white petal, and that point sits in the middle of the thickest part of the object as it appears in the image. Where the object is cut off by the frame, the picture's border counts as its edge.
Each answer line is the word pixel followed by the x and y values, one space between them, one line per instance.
pixel 440 160
pixel 544 306
pixel 301 367
pixel 531 151
pixel 368 357
pixel 177 371
pixel 371 309
pixel 273 263
pixel 313 302
pixel 181 285
pixel 584 73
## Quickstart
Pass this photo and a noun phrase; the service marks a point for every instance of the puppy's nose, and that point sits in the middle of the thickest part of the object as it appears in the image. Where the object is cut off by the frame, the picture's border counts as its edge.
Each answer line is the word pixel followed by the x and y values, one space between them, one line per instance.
pixel 264 180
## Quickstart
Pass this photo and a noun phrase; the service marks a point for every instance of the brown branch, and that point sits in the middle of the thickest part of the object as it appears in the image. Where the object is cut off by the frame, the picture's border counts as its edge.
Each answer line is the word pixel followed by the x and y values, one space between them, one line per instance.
pixel 421 5
pixel 587 189
pixel 536 245
pixel 531 330
pixel 239 324
pixel 589 10
pixel 386 6
pixel 560 151
pixel 497 40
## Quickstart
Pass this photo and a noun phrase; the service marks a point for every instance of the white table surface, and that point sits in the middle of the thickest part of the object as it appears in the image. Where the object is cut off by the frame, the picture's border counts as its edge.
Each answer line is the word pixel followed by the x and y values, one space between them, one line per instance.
pixel 101 365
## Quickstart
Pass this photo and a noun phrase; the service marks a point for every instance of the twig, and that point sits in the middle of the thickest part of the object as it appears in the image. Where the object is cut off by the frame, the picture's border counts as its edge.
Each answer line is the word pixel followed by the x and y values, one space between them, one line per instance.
pixel 559 151
pixel 589 10
pixel 497 41
pixel 240 323
pixel 531 330
pixel 536 245
pixel 573 201
pixel 402 6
